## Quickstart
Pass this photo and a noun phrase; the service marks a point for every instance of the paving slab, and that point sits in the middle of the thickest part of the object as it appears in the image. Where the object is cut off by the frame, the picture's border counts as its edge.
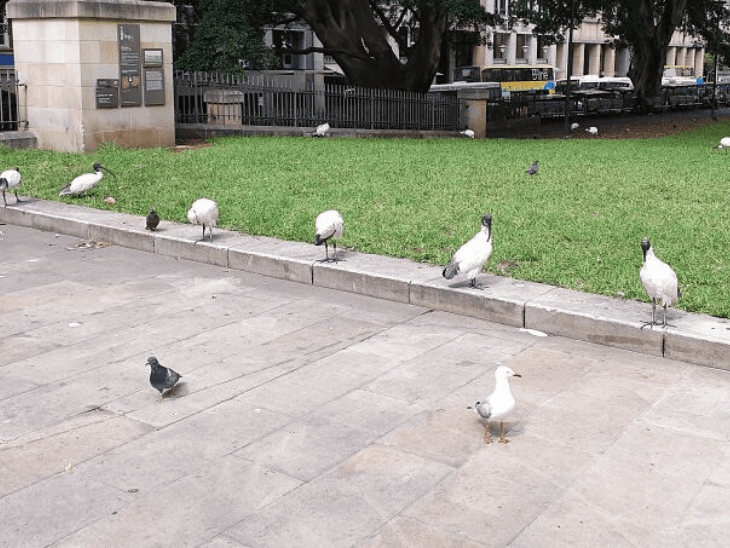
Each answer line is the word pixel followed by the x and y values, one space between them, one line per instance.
pixel 311 416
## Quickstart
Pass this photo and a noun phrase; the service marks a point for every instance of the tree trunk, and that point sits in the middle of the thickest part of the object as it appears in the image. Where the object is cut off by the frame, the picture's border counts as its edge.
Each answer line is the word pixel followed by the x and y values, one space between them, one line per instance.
pixel 349 31
pixel 650 47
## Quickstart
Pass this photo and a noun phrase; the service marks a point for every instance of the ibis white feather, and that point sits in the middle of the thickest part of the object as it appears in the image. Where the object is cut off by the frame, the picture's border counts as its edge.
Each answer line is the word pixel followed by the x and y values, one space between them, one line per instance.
pixel 724 143
pixel 322 130
pixel 468 133
pixel 204 212
pixel 473 255
pixel 328 226
pixel 593 130
pixel 659 281
pixel 84 183
pixel 10 180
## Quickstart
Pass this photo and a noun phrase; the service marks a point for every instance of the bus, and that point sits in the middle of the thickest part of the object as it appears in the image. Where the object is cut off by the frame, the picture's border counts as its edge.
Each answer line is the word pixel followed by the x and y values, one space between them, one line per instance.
pixel 512 78
pixel 680 74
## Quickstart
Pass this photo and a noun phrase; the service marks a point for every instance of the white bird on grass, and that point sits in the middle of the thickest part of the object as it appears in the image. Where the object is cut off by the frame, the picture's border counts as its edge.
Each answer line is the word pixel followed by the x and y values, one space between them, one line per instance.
pixel 574 126
pixel 593 130
pixel 10 179
pixel 328 225
pixel 84 183
pixel 473 255
pixel 724 143
pixel 468 133
pixel 204 212
pixel 321 131
pixel 498 404
pixel 659 281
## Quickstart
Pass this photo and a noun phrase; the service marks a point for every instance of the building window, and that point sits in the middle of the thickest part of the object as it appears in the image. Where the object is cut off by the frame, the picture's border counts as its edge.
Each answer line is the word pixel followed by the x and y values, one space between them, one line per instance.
pixel 500 45
pixel 523 49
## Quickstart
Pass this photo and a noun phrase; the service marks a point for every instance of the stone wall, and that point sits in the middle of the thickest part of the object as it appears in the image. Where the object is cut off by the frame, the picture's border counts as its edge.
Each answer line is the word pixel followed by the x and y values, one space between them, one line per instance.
pixel 62 48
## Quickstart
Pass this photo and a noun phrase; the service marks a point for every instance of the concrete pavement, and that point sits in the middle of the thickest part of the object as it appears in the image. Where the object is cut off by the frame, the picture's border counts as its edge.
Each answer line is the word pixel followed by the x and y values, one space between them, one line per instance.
pixel 309 416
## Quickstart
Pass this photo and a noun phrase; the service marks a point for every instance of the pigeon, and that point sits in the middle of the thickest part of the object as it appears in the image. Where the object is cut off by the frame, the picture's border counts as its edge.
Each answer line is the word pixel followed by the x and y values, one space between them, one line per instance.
pixel 328 225
pixel 162 378
pixel 153 219
pixel 84 183
pixel 473 255
pixel 10 178
pixel 593 130
pixel 532 170
pixel 204 212
pixel 498 404
pixel 659 281
pixel 468 133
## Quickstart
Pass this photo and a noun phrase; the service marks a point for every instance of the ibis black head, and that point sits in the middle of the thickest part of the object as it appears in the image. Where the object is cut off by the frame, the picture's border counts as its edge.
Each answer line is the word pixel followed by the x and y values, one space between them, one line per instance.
pixel 98 167
pixel 487 221
pixel 645 246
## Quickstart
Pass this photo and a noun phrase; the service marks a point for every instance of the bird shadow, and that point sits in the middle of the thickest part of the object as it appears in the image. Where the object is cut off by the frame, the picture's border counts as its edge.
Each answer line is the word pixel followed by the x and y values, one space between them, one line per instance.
pixel 181 390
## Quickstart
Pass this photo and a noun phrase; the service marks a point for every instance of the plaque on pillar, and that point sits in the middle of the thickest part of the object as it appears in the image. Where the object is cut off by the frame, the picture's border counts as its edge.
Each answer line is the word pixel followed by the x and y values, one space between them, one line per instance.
pixel 107 93
pixel 130 65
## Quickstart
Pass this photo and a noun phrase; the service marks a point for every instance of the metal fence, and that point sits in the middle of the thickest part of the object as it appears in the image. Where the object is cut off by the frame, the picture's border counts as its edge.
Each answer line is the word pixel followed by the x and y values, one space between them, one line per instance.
pixel 9 110
pixel 219 99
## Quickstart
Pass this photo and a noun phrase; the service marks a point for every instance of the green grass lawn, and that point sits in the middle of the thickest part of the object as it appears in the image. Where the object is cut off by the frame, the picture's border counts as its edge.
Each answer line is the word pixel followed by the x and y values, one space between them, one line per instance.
pixel 577 224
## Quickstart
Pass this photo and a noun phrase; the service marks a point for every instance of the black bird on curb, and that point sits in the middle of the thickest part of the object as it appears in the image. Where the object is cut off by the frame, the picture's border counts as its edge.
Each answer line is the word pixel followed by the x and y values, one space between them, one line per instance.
pixel 152 220
pixel 532 170
pixel 162 378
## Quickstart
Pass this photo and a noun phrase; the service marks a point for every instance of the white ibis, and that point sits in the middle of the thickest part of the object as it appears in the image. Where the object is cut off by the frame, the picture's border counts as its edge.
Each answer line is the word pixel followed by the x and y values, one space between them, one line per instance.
pixel 593 130
pixel 533 169
pixel 468 133
pixel 321 131
pixel 724 143
pixel 329 225
pixel 574 126
pixel 498 404
pixel 10 179
pixel 84 183
pixel 473 255
pixel 204 212
pixel 659 281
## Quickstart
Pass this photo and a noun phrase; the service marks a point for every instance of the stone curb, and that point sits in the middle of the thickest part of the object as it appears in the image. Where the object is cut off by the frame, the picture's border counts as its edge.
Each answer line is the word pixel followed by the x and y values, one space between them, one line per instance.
pixel 693 338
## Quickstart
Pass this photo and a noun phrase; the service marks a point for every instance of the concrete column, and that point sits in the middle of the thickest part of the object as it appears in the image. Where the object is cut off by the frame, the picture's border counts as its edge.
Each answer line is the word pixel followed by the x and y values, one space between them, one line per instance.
pixel 534 54
pixel 578 54
pixel 512 49
pixel 609 60
pixel 594 59
pixel 63 47
pixel 700 62
pixel 681 53
pixel 671 55
pixel 624 62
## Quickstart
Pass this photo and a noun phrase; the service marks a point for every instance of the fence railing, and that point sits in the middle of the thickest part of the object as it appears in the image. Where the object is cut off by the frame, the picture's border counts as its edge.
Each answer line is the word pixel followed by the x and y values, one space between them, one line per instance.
pixel 9 110
pixel 210 98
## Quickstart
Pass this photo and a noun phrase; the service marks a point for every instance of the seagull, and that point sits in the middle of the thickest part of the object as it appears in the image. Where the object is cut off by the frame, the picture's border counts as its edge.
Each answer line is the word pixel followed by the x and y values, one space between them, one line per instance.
pixel 328 225
pixel 724 143
pixel 321 131
pixel 659 281
pixel 498 404
pixel 574 126
pixel 473 255
pixel 162 378
pixel 204 212
pixel 153 219
pixel 532 170
pixel 84 183
pixel 593 130
pixel 10 178
pixel 468 133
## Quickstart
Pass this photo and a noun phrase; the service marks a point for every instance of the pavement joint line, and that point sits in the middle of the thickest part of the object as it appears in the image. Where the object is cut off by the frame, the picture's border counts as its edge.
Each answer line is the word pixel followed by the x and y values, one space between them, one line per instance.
pixel 697 338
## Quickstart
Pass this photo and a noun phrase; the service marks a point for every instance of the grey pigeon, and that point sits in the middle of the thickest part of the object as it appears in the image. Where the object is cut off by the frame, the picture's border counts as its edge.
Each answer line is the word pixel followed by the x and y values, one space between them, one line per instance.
pixel 532 170
pixel 162 378
pixel 152 220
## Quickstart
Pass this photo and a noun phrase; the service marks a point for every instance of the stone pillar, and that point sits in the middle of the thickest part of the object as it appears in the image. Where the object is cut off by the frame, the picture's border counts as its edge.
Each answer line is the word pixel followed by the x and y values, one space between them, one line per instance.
pixel 609 60
pixel 671 55
pixel 700 62
pixel 578 54
pixel 594 59
pixel 512 49
pixel 67 50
